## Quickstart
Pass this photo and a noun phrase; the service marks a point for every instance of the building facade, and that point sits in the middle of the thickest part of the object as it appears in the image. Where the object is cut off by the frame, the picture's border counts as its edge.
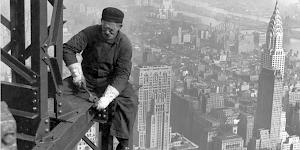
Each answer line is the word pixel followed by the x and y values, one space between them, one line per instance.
pixel 245 127
pixel 153 118
pixel 292 143
pixel 229 142
pixel 211 101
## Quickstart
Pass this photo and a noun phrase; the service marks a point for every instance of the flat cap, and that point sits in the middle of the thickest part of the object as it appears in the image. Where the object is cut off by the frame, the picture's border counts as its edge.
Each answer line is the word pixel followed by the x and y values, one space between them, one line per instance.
pixel 112 14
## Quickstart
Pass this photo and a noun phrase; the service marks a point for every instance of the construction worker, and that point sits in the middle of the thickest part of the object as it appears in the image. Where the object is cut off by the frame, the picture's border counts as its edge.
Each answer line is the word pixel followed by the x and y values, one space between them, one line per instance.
pixel 105 70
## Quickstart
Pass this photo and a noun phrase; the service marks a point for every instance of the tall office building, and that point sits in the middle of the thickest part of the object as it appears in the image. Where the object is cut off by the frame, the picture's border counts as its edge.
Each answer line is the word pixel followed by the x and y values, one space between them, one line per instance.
pixel 153 118
pixel 273 56
pixel 267 122
pixel 245 127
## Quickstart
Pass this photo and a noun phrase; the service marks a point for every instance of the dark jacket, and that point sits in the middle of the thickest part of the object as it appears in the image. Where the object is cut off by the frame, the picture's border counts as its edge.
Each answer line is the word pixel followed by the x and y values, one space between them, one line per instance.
pixel 104 62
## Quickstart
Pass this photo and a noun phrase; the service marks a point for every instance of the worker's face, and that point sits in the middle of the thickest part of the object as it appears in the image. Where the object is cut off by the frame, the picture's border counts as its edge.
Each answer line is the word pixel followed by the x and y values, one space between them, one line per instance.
pixel 110 29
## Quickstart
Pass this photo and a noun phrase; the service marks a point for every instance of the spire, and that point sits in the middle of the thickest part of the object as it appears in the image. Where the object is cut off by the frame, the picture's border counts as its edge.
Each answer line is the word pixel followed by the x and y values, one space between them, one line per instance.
pixel 276 9
pixel 275 24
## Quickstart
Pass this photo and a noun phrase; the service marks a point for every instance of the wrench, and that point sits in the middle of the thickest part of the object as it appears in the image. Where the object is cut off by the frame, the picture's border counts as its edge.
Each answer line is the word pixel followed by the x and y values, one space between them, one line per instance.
pixel 102 114
pixel 92 98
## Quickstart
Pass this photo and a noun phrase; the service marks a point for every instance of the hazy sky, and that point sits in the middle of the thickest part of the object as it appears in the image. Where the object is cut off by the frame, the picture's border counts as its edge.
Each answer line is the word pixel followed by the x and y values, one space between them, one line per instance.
pixel 287 2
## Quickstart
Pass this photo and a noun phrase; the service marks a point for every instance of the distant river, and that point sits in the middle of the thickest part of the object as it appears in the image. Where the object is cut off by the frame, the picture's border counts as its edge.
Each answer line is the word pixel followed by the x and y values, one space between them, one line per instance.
pixel 200 4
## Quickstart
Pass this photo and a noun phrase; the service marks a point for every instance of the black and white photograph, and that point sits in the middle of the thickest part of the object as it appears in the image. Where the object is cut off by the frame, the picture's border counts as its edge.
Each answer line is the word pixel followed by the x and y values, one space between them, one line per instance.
pixel 150 74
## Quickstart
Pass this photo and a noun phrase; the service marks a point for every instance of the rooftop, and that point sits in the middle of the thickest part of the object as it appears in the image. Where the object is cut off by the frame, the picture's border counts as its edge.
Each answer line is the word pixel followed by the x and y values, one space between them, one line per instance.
pixel 179 142
pixel 228 136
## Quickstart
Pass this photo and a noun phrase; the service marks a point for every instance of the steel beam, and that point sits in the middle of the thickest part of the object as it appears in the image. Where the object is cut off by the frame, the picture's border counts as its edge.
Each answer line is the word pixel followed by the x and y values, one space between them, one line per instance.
pixel 17 24
pixel 5 22
pixel 90 143
pixel 23 98
pixel 18 67
pixel 58 53
pixel 68 133
pixel 38 36
pixel 56 21
pixel 7 47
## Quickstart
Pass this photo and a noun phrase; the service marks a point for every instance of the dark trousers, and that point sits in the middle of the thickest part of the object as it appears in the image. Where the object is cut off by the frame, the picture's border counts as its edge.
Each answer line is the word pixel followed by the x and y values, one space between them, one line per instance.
pixel 106 140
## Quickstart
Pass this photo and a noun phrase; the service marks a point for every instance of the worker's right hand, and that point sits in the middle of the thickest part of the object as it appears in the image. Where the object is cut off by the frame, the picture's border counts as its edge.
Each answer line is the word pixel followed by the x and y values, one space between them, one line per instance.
pixel 77 74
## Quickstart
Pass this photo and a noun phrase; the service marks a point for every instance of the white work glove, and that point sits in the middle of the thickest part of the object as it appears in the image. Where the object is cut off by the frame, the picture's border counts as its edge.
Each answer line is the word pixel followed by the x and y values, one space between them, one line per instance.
pixel 77 74
pixel 109 95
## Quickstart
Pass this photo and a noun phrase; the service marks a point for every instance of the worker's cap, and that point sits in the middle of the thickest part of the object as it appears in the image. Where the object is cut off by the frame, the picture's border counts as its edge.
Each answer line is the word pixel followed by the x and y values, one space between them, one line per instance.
pixel 112 14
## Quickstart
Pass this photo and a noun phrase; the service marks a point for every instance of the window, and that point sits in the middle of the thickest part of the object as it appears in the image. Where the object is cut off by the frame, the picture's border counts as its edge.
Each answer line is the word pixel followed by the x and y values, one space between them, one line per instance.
pixel 165 77
pixel 146 79
pixel 155 77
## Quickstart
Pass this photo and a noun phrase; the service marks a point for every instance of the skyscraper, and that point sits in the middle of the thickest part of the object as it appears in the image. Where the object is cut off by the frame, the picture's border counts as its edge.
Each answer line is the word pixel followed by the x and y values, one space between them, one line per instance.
pixel 153 118
pixel 245 127
pixel 267 123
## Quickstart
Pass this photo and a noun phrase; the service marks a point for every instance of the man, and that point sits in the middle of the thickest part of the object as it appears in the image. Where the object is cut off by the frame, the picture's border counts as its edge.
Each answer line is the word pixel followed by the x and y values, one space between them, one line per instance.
pixel 105 70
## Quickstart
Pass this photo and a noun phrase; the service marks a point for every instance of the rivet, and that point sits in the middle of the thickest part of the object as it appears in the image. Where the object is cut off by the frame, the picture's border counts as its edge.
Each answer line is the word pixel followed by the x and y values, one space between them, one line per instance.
pixel 46 45
pixel 34 76
pixel 34 93
pixel 59 104
pixel 44 57
pixel 14 29
pixel 60 111
pixel 34 101
pixel 34 108
pixel 47 129
pixel 46 121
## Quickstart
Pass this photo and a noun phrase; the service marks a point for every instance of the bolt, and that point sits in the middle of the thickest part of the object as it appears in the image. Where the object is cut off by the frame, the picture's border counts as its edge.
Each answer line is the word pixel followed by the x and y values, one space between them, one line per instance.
pixel 9 139
pixel 59 104
pixel 34 101
pixel 34 108
pixel 46 121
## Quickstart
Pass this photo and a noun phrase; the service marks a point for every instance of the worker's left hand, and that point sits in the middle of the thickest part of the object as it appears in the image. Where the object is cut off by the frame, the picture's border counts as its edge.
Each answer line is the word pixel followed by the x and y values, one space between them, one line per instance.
pixel 102 103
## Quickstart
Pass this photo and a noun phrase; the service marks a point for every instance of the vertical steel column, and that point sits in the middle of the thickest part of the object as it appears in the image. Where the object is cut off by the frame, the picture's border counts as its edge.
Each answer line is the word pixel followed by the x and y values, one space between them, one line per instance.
pixel 17 18
pixel 58 44
pixel 38 36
